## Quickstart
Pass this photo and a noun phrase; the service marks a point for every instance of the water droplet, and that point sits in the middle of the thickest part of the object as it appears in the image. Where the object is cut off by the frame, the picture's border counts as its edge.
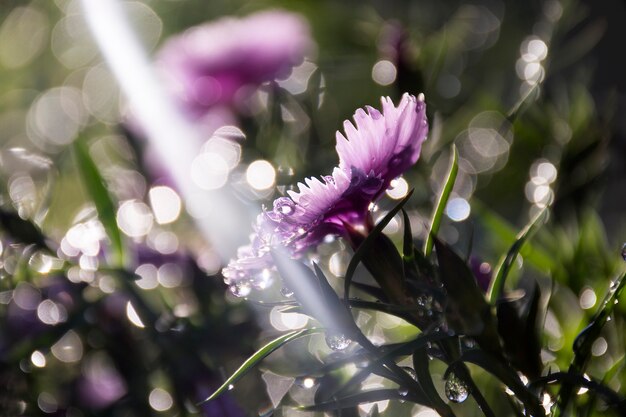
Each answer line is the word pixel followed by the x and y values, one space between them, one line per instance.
pixel 240 289
pixel 286 292
pixel 337 341
pixel 624 252
pixel 425 301
pixel 284 206
pixel 304 201
pixel 456 390
pixel 403 391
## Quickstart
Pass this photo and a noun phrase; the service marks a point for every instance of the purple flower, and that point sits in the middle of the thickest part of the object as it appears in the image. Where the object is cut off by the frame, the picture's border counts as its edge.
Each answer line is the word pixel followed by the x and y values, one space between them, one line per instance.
pixel 371 154
pixel 218 64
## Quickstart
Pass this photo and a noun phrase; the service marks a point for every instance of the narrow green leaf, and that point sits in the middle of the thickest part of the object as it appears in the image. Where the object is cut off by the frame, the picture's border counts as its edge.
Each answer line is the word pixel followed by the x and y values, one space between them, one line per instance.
pixel 506 262
pixel 23 231
pixel 407 247
pixel 507 376
pixel 586 338
pixel 258 356
pixel 467 311
pixel 422 370
pixel 463 373
pixel 411 271
pixel 612 398
pixel 365 247
pixel 519 329
pixel 499 227
pixel 442 202
pixel 95 187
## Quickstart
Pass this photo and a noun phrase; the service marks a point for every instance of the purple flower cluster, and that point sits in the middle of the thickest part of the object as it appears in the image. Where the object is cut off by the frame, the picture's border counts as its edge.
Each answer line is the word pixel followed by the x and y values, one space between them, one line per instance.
pixel 379 148
pixel 212 68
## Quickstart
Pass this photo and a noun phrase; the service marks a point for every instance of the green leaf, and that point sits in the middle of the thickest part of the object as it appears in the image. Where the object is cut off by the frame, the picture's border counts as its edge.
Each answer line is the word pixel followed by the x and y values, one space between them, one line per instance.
pixel 467 312
pixel 408 250
pixel 612 398
pixel 586 338
pixel 422 370
pixel 499 227
pixel 258 356
pixel 441 203
pixel 504 266
pixel 384 355
pixel 365 248
pixel 407 247
pixel 23 231
pixel 463 373
pixel 519 328
pixel 96 188
pixel 507 376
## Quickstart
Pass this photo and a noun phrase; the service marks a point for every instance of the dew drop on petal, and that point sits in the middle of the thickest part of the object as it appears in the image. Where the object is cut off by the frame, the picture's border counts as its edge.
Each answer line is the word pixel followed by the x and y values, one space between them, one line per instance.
pixel 456 390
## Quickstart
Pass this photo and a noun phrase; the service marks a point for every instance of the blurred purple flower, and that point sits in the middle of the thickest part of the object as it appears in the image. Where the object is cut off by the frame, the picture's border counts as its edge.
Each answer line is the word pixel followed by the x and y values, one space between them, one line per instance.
pixel 217 65
pixel 371 154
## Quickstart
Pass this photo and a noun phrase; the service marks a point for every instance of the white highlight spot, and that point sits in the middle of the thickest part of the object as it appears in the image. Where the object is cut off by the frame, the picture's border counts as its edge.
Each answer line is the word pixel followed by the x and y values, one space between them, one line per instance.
pixel 38 359
pixel 69 348
pixel 132 315
pixel 587 298
pixel 148 274
pixel 165 203
pixel 134 218
pixel 458 209
pixel 287 321
pixel 398 188
pixel 51 313
pixel 260 175
pixel 160 400
pixel 599 347
pixel 384 72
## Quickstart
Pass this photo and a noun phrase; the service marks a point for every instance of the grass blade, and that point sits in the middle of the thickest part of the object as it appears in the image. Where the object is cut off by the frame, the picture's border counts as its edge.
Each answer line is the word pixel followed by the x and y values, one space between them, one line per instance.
pixel 24 231
pixel 258 356
pixel 499 227
pixel 506 262
pixel 95 187
pixel 584 341
pixel 442 202
pixel 507 376
pixel 422 370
